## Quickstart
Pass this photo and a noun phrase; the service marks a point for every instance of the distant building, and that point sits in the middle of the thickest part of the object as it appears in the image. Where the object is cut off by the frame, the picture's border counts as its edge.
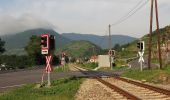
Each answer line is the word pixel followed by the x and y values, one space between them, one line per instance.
pixel 103 61
pixel 94 59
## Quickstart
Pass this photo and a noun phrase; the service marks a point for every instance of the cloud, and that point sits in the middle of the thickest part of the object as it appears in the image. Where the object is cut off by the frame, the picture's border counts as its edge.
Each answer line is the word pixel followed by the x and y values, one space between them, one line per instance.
pixel 81 16
pixel 11 24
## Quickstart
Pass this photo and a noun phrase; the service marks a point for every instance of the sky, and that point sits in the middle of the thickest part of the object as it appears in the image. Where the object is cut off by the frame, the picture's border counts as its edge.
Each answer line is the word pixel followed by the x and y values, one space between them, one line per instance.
pixel 79 16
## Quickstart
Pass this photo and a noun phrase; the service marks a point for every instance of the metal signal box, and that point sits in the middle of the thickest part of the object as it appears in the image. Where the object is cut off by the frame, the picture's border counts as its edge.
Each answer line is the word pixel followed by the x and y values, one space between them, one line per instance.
pixel 52 42
pixel 111 52
pixel 141 45
pixel 47 43
pixel 44 43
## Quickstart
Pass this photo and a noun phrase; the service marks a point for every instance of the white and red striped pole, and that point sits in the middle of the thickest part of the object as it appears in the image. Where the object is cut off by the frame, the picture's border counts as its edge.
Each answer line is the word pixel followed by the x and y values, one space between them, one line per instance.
pixel 48 68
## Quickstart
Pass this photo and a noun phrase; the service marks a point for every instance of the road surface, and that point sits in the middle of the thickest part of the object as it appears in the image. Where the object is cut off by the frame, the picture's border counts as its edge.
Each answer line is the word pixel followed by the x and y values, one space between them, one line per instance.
pixel 16 79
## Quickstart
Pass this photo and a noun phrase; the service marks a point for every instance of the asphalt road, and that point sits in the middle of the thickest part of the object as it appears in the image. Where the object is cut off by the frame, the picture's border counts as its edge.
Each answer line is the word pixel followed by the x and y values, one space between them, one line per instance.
pixel 16 79
pixel 136 65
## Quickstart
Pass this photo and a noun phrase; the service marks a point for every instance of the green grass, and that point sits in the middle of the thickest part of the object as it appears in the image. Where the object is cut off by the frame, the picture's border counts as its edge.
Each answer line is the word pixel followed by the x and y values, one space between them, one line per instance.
pixel 155 75
pixel 119 62
pixel 62 89
pixel 61 68
pixel 89 65
pixel 147 75
pixel 116 68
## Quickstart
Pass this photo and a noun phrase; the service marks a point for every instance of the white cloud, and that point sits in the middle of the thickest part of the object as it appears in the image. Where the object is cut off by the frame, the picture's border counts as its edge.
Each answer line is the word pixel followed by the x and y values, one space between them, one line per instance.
pixel 84 16
pixel 11 24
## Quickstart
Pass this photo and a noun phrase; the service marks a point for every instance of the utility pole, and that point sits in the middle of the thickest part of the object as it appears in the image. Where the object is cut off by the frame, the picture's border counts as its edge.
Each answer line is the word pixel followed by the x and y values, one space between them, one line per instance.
pixel 110 46
pixel 158 34
pixel 150 36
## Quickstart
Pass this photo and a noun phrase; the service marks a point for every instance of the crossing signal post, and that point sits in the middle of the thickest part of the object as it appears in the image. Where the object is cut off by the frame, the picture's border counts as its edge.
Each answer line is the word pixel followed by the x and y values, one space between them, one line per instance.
pixel 141 48
pixel 63 59
pixel 47 49
pixel 111 54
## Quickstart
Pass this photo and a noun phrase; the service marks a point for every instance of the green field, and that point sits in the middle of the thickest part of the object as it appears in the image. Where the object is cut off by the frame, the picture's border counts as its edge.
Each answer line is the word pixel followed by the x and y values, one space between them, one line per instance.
pixel 62 89
pixel 154 75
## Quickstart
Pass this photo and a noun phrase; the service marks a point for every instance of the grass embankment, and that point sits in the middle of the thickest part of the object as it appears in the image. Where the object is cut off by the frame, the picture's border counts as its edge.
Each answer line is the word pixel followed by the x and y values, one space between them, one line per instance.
pixel 154 75
pixel 62 89
pixel 113 69
pixel 61 68
pixel 89 66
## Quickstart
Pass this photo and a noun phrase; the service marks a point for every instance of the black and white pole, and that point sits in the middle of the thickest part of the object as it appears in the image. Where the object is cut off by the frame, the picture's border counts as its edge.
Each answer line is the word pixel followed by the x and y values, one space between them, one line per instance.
pixel 141 60
pixel 141 47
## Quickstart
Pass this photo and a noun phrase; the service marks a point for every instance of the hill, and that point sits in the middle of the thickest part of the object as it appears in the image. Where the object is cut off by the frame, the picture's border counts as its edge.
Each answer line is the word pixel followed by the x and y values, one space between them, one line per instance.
pixel 131 49
pixel 80 49
pixel 101 41
pixel 16 42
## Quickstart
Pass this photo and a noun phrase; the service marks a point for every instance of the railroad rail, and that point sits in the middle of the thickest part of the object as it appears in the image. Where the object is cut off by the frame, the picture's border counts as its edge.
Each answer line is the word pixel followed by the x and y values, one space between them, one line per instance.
pixel 156 89
pixel 114 87
pixel 132 90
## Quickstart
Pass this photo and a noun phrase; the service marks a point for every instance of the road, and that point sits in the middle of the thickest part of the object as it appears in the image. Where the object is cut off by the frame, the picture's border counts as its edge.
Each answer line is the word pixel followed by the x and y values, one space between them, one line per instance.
pixel 136 65
pixel 16 79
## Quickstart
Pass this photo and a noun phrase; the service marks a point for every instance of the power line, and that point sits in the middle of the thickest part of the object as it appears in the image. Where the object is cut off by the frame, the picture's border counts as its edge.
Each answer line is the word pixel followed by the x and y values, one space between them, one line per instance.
pixel 131 12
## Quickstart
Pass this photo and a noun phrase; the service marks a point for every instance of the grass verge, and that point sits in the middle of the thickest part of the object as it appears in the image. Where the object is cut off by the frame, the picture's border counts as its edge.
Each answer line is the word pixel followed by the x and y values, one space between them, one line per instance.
pixel 147 75
pixel 61 68
pixel 154 75
pixel 62 89
pixel 89 66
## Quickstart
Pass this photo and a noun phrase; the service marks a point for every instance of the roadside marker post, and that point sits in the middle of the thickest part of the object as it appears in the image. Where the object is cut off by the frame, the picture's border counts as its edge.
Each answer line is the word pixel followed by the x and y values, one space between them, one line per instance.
pixel 48 68
pixel 111 54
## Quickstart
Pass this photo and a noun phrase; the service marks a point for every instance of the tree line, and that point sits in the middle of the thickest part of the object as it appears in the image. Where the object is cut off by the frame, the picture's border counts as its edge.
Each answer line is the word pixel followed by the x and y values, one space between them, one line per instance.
pixel 33 57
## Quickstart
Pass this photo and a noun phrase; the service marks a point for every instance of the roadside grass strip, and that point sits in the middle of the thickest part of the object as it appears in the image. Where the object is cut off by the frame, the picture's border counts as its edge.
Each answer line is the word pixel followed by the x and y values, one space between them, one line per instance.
pixel 61 68
pixel 62 89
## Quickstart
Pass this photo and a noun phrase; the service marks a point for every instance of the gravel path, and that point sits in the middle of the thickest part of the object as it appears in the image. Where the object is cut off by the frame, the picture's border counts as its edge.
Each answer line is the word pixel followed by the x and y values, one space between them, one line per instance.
pixel 91 89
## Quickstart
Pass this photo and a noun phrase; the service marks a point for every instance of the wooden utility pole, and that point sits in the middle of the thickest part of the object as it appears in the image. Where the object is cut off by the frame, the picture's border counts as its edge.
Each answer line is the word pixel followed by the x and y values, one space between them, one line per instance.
pixel 158 34
pixel 110 46
pixel 150 35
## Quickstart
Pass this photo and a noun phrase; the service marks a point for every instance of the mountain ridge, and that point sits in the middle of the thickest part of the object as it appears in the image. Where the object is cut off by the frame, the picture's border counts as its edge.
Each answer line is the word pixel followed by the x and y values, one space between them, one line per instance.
pixel 20 40
pixel 101 41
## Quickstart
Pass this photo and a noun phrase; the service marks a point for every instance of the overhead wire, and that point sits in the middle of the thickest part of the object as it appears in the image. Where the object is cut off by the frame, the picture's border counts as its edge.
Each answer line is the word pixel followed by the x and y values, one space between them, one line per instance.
pixel 136 8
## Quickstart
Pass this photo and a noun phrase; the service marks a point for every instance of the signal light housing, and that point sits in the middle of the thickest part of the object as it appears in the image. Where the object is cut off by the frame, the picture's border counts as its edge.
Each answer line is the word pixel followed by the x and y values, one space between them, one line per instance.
pixel 47 43
pixel 111 52
pixel 141 45
pixel 52 42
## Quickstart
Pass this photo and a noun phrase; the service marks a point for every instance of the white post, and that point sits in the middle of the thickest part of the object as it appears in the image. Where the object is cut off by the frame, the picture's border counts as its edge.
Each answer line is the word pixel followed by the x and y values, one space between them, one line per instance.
pixel 49 83
pixel 141 68
pixel 141 59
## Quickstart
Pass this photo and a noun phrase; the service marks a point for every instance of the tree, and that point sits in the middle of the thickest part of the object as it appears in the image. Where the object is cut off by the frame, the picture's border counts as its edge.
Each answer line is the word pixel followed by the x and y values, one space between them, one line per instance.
pixel 34 50
pixel 117 47
pixel 2 44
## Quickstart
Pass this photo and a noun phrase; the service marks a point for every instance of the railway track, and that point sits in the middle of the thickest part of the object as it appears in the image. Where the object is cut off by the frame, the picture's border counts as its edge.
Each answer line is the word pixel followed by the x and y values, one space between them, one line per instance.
pixel 132 90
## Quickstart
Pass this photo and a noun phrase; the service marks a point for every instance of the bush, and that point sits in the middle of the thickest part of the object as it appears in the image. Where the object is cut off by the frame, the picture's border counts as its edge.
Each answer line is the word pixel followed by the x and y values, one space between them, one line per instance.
pixel 15 62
